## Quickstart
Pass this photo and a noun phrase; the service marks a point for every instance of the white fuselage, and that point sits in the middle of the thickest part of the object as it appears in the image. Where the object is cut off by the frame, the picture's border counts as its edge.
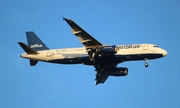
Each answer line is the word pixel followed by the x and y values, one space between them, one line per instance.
pixel 75 55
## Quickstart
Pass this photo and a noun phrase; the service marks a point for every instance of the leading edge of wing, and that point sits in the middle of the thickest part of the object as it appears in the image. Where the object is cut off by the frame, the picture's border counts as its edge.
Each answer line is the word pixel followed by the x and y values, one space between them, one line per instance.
pixel 81 34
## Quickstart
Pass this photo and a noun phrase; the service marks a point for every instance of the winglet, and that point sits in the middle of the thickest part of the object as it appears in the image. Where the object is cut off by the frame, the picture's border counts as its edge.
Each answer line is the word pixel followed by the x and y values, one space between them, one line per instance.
pixel 65 19
pixel 69 21
pixel 27 49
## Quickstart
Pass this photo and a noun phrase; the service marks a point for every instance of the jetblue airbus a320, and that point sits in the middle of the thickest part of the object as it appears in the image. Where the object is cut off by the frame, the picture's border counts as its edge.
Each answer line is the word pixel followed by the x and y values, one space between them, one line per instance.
pixel 104 58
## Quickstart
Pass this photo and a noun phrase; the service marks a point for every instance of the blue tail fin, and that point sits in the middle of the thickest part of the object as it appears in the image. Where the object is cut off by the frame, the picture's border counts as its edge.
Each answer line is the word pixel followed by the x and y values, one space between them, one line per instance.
pixel 34 42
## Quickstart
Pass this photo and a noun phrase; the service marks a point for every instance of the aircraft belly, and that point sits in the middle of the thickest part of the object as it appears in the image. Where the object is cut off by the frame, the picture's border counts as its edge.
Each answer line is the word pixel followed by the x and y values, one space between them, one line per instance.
pixel 104 60
pixel 130 57
pixel 67 61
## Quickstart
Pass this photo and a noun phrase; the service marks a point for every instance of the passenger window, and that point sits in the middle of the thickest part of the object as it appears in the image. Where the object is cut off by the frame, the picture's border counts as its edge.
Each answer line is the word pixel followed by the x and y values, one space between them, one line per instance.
pixel 155 46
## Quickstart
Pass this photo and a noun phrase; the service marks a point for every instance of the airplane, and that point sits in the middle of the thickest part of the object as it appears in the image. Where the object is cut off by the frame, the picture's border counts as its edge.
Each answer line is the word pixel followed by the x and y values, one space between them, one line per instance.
pixel 104 58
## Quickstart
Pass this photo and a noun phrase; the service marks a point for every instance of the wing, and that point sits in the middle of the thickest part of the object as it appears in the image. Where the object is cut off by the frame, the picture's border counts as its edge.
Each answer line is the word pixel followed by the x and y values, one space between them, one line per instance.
pixel 103 72
pixel 82 35
pixel 91 45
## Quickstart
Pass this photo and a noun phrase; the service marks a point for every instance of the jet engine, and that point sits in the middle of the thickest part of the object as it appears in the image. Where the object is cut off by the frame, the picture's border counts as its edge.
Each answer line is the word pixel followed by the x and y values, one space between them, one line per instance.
pixel 108 50
pixel 119 71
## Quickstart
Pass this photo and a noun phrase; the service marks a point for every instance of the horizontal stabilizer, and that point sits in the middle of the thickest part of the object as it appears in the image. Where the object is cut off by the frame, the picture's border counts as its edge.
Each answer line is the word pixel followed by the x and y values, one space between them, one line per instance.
pixel 27 49
pixel 33 62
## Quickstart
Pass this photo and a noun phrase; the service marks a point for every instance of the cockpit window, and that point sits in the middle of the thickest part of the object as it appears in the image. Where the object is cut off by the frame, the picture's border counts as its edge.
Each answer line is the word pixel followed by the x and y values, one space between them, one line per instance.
pixel 156 46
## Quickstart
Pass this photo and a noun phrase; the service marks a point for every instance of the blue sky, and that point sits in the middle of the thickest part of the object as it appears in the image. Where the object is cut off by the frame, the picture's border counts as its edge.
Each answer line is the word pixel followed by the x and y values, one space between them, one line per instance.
pixel 111 22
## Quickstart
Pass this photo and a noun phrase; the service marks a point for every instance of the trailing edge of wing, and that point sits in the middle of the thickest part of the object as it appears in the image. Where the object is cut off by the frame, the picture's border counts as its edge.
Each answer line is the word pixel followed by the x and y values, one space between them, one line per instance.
pixel 27 49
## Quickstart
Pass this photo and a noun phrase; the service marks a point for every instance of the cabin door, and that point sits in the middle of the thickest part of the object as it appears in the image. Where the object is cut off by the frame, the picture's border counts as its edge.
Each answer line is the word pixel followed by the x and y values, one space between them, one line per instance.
pixel 145 47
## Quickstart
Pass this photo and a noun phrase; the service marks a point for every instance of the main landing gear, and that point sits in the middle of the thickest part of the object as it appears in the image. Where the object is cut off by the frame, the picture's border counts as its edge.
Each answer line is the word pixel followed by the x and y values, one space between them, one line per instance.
pixel 146 64
pixel 92 58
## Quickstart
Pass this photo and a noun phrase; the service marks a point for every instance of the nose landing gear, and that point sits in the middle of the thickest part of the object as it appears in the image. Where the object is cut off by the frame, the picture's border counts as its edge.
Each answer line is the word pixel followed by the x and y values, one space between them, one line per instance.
pixel 146 62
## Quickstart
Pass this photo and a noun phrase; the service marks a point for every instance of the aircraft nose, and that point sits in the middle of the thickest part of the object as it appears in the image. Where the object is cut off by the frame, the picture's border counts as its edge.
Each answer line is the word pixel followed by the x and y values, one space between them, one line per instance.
pixel 164 52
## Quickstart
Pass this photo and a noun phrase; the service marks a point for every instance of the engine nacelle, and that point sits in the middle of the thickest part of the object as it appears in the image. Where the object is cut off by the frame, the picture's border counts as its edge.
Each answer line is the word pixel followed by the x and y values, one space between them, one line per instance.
pixel 108 50
pixel 119 71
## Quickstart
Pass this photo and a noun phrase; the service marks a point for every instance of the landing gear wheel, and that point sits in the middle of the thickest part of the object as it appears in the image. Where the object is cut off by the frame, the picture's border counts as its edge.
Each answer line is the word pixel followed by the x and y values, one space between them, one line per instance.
pixel 91 59
pixel 146 65
pixel 146 62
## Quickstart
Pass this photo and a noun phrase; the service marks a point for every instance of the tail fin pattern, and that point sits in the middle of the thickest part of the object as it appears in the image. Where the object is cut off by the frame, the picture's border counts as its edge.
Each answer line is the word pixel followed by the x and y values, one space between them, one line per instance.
pixel 34 42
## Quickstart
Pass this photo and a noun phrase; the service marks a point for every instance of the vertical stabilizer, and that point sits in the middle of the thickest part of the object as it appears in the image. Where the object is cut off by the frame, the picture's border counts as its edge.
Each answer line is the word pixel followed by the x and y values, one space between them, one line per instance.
pixel 34 42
